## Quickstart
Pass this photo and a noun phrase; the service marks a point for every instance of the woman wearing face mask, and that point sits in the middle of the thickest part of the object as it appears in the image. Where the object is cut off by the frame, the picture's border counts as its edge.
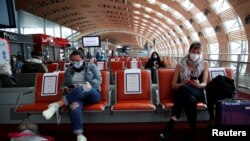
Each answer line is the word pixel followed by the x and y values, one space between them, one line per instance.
pixel 189 81
pixel 81 87
pixel 153 63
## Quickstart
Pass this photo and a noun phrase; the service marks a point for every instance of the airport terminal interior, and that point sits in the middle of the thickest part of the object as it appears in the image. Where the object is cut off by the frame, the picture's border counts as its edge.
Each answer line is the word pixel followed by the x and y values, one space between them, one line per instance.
pixel 120 37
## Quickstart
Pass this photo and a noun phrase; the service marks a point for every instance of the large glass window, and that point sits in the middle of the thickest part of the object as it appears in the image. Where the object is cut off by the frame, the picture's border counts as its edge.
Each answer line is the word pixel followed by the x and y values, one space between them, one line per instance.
pixel 213 54
pixel 30 24
pixel 238 50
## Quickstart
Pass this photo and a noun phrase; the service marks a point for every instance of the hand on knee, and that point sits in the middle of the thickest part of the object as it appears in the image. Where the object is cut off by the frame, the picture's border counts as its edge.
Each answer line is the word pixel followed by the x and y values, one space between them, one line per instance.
pixel 87 87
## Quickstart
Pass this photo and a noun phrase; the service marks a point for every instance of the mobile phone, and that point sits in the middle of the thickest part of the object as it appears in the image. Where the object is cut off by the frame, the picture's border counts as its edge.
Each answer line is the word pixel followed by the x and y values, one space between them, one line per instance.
pixel 71 86
pixel 193 78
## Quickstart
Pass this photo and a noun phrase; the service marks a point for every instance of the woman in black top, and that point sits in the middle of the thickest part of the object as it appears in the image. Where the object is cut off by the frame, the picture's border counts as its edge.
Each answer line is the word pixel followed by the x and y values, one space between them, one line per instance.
pixel 153 63
pixel 189 81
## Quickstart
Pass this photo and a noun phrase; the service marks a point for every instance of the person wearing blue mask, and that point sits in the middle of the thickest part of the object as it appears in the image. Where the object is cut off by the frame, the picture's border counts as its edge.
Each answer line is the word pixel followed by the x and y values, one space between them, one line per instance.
pixel 82 86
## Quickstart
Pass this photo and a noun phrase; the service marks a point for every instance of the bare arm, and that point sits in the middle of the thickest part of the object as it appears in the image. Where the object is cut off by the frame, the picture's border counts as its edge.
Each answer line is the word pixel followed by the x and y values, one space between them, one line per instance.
pixel 175 85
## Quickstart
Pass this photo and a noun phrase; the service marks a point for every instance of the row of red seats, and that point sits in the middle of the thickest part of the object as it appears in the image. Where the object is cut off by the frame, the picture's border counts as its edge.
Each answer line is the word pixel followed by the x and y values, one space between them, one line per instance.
pixel 123 102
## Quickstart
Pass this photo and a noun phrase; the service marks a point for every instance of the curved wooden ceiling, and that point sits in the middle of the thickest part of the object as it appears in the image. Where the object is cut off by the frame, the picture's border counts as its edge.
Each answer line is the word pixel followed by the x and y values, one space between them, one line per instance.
pixel 124 22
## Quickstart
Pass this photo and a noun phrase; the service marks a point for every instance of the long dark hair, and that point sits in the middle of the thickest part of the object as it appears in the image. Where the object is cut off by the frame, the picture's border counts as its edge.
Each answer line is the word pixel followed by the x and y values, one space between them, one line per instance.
pixel 158 59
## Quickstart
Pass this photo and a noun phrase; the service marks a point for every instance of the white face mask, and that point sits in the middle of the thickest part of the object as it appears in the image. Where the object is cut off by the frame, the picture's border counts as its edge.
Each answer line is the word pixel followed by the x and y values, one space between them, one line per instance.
pixel 77 64
pixel 194 56
pixel 155 56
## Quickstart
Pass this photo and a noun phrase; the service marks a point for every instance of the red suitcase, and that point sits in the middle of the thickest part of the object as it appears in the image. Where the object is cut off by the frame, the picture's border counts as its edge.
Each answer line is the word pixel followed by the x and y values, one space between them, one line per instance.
pixel 232 112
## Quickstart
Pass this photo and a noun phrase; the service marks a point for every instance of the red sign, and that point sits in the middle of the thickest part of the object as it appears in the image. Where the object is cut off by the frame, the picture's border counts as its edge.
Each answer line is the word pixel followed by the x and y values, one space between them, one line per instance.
pixel 60 42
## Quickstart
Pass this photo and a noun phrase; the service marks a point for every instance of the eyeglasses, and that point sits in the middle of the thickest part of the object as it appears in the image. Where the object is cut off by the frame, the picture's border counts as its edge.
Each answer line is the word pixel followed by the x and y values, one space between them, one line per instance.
pixel 75 61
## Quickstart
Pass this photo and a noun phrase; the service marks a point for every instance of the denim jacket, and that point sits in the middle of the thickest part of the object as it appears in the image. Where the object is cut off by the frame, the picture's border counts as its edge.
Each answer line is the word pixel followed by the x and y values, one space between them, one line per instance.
pixel 92 75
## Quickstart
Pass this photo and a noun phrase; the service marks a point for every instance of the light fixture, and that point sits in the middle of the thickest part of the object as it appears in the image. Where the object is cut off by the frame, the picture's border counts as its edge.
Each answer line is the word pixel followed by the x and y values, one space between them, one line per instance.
pixel 191 20
pixel 207 12
pixel 199 34
pixel 217 29
pixel 151 1
pixel 247 19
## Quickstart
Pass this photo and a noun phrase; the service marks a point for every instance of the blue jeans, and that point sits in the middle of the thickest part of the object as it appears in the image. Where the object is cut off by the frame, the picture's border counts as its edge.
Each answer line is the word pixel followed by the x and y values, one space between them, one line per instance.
pixel 81 98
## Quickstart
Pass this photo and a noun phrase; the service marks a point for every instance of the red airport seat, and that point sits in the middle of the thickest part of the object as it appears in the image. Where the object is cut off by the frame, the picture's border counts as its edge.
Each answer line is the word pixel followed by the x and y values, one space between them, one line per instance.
pixel 52 67
pixel 165 91
pixel 104 95
pixel 41 102
pixel 165 94
pixel 133 102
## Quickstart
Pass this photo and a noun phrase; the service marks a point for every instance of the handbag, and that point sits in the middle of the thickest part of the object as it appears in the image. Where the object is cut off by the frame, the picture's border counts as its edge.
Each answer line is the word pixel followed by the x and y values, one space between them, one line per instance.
pixel 28 135
pixel 27 124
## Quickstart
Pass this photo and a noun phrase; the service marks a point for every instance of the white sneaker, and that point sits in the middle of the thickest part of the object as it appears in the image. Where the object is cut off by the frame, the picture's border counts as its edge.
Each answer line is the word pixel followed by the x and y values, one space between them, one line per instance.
pixel 53 107
pixel 81 137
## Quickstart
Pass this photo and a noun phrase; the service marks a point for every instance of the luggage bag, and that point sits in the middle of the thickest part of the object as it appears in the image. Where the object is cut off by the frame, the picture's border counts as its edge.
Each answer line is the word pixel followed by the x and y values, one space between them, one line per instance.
pixel 232 112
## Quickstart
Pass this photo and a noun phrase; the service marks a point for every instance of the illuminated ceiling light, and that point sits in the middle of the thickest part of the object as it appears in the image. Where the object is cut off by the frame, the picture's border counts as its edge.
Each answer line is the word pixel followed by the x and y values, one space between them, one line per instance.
pixel 136 17
pixel 144 20
pixel 164 7
pixel 136 12
pixel 151 1
pixel 159 14
pixel 148 9
pixel 137 5
pixel 118 46
pixel 156 20
pixel 153 24
pixel 164 26
pixel 176 14
pixel 146 16
pixel 170 21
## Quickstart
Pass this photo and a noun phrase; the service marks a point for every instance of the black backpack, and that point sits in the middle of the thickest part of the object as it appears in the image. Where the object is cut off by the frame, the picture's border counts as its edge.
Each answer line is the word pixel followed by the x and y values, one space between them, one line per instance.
pixel 31 67
pixel 219 88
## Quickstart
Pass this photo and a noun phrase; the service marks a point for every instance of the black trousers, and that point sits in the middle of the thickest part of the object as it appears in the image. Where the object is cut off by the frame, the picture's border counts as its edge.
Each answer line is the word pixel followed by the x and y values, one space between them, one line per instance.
pixel 186 98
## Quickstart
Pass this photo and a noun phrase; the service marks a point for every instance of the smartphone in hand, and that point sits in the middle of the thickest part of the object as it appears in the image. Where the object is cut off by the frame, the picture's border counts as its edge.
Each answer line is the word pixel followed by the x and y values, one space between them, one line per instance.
pixel 193 78
pixel 71 86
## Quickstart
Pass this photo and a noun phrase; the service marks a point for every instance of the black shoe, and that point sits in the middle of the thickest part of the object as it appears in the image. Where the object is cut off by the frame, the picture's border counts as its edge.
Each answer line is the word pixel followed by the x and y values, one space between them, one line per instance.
pixel 190 137
pixel 167 131
pixel 164 136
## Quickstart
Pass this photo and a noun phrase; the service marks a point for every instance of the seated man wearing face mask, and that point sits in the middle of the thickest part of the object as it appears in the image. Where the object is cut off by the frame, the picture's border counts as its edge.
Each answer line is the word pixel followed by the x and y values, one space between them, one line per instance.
pixel 153 63
pixel 189 81
pixel 81 87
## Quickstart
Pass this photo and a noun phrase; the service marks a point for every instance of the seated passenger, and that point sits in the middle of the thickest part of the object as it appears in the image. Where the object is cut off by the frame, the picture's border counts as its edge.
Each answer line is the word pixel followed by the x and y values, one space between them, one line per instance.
pixel 153 63
pixel 16 63
pixel 5 72
pixel 82 85
pixel 189 81
pixel 34 64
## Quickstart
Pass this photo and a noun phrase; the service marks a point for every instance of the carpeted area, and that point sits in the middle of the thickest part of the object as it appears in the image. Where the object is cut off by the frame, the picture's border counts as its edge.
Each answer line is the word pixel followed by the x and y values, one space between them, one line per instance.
pixel 113 132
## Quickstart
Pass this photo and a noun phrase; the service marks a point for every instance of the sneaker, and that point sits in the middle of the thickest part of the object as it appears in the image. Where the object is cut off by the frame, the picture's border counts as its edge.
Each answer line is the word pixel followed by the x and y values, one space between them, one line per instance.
pixel 53 107
pixel 81 137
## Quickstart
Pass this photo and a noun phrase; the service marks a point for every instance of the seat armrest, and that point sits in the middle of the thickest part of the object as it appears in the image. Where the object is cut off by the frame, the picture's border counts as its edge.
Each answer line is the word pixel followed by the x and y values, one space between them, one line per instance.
pixel 110 99
pixel 29 91
pixel 156 98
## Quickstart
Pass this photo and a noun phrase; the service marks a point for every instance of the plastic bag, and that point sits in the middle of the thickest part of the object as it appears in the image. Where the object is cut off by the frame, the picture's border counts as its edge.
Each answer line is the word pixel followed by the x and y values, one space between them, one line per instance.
pixel 28 135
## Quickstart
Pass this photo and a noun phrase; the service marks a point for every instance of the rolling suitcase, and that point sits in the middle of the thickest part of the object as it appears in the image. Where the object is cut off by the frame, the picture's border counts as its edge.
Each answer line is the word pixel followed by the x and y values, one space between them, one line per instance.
pixel 232 112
